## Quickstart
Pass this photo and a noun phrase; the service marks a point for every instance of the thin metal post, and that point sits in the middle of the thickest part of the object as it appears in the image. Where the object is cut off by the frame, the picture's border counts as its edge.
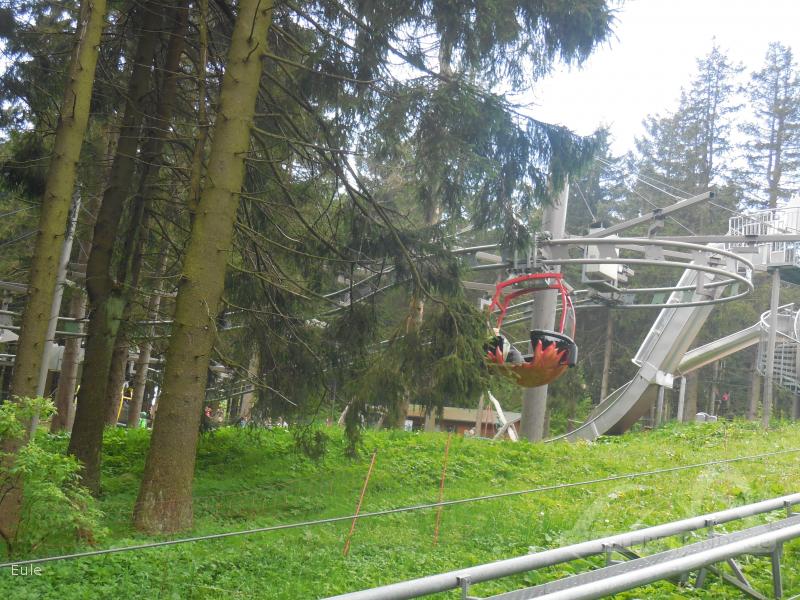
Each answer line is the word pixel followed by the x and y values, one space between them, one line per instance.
pixel 660 405
pixel 771 337
pixel 682 400
pixel 777 581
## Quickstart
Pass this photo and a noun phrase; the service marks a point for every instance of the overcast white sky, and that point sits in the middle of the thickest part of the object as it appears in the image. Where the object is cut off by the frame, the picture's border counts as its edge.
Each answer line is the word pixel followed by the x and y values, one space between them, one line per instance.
pixel 652 55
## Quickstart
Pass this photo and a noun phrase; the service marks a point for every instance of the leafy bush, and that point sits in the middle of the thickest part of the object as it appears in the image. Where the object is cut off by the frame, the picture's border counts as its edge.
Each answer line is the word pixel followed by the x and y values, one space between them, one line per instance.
pixel 55 507
pixel 311 441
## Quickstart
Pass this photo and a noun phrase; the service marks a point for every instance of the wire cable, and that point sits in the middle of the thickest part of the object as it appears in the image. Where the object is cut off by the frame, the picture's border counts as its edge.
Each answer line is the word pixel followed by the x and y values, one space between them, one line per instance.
pixel 13 212
pixel 642 178
pixel 404 509
pixel 580 191
pixel 651 203
pixel 18 238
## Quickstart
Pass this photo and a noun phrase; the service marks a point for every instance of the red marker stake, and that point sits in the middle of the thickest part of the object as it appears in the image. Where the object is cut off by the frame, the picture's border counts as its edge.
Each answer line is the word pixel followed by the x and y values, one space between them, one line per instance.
pixel 358 506
pixel 441 491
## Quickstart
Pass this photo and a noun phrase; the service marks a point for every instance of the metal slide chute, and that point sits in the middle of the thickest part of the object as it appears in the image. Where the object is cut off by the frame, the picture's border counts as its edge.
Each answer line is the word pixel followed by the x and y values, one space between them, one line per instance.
pixel 658 357
pixel 718 349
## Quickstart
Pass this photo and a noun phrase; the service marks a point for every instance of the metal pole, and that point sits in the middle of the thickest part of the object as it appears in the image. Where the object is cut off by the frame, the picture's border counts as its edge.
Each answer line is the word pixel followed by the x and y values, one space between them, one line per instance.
pixel 772 334
pixel 534 401
pixel 681 400
pixel 660 405
pixel 663 212
pixel 61 278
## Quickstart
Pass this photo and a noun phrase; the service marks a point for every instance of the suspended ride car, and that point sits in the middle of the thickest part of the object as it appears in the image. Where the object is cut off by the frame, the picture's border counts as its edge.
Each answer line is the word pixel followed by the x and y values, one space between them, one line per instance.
pixel 553 352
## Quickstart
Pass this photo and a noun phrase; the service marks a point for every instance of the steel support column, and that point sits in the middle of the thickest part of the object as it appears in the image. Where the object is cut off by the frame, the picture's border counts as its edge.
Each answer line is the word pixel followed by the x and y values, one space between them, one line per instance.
pixel 771 337
pixel 534 401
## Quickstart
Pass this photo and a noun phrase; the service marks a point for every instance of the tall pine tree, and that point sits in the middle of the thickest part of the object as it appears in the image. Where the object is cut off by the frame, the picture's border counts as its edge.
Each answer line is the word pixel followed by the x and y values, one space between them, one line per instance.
pixel 772 145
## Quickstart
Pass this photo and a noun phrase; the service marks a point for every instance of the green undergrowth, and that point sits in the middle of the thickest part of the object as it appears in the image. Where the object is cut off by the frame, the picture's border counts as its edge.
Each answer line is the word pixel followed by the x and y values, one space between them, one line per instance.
pixel 249 478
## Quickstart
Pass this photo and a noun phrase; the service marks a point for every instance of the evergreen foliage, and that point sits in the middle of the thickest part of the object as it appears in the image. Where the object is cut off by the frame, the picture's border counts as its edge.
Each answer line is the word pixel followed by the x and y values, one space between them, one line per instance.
pixel 772 144
pixel 56 508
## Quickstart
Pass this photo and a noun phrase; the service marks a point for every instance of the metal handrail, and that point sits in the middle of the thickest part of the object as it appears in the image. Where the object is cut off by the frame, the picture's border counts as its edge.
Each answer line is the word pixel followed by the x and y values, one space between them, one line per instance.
pixel 432 584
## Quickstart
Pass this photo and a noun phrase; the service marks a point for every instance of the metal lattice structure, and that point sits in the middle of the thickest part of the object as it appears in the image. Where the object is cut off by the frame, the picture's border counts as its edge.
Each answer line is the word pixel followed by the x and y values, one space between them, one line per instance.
pixel 786 366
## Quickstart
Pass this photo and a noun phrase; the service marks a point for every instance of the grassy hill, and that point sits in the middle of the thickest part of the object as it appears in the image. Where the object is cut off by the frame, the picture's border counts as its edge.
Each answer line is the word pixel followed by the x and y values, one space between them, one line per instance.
pixel 255 478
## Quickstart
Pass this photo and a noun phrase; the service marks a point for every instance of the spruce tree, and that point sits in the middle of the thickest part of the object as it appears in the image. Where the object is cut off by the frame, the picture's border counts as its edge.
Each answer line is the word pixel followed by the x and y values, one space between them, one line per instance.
pixel 165 502
pixel 315 107
pixel 772 145
pixel 105 293
pixel 59 187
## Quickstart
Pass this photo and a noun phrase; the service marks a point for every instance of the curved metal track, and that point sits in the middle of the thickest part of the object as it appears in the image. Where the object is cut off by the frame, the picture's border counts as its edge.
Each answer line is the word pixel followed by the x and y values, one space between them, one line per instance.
pixel 658 357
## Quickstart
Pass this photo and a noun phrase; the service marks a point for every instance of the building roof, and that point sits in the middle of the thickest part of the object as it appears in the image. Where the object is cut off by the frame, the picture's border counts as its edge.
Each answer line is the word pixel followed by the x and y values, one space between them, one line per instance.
pixel 462 415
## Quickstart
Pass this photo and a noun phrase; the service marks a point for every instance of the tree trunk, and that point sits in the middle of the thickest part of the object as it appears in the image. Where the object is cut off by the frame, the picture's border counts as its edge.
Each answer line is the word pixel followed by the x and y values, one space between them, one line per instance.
pixel 151 158
pixel 416 312
pixel 65 409
pixel 246 404
pixel 72 121
pixel 196 177
pixel 572 412
pixel 57 198
pixel 105 296
pixel 165 497
pixel 70 363
pixel 116 380
pixel 430 420
pixel 55 310
pixel 145 348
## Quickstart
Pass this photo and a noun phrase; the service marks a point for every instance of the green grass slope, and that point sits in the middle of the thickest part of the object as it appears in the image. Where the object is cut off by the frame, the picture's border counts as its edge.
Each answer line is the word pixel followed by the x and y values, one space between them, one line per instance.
pixel 256 478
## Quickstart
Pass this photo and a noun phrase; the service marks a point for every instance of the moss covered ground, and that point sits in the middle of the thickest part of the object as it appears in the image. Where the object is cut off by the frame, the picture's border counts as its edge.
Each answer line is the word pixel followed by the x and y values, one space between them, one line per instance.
pixel 255 478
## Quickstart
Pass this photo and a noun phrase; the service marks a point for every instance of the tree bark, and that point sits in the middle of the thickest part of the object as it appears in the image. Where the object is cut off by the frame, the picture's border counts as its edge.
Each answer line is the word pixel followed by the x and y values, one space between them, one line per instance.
pixel 60 183
pixel 116 380
pixel 105 296
pixel 145 348
pixel 165 497
pixel 196 177
pixel 70 363
pixel 151 158
pixel 65 409
pixel 430 420
pixel 246 403
pixel 59 187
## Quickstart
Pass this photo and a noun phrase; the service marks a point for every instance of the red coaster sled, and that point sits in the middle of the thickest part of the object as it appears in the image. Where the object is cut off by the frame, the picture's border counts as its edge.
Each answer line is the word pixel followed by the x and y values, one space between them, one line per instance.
pixel 553 351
